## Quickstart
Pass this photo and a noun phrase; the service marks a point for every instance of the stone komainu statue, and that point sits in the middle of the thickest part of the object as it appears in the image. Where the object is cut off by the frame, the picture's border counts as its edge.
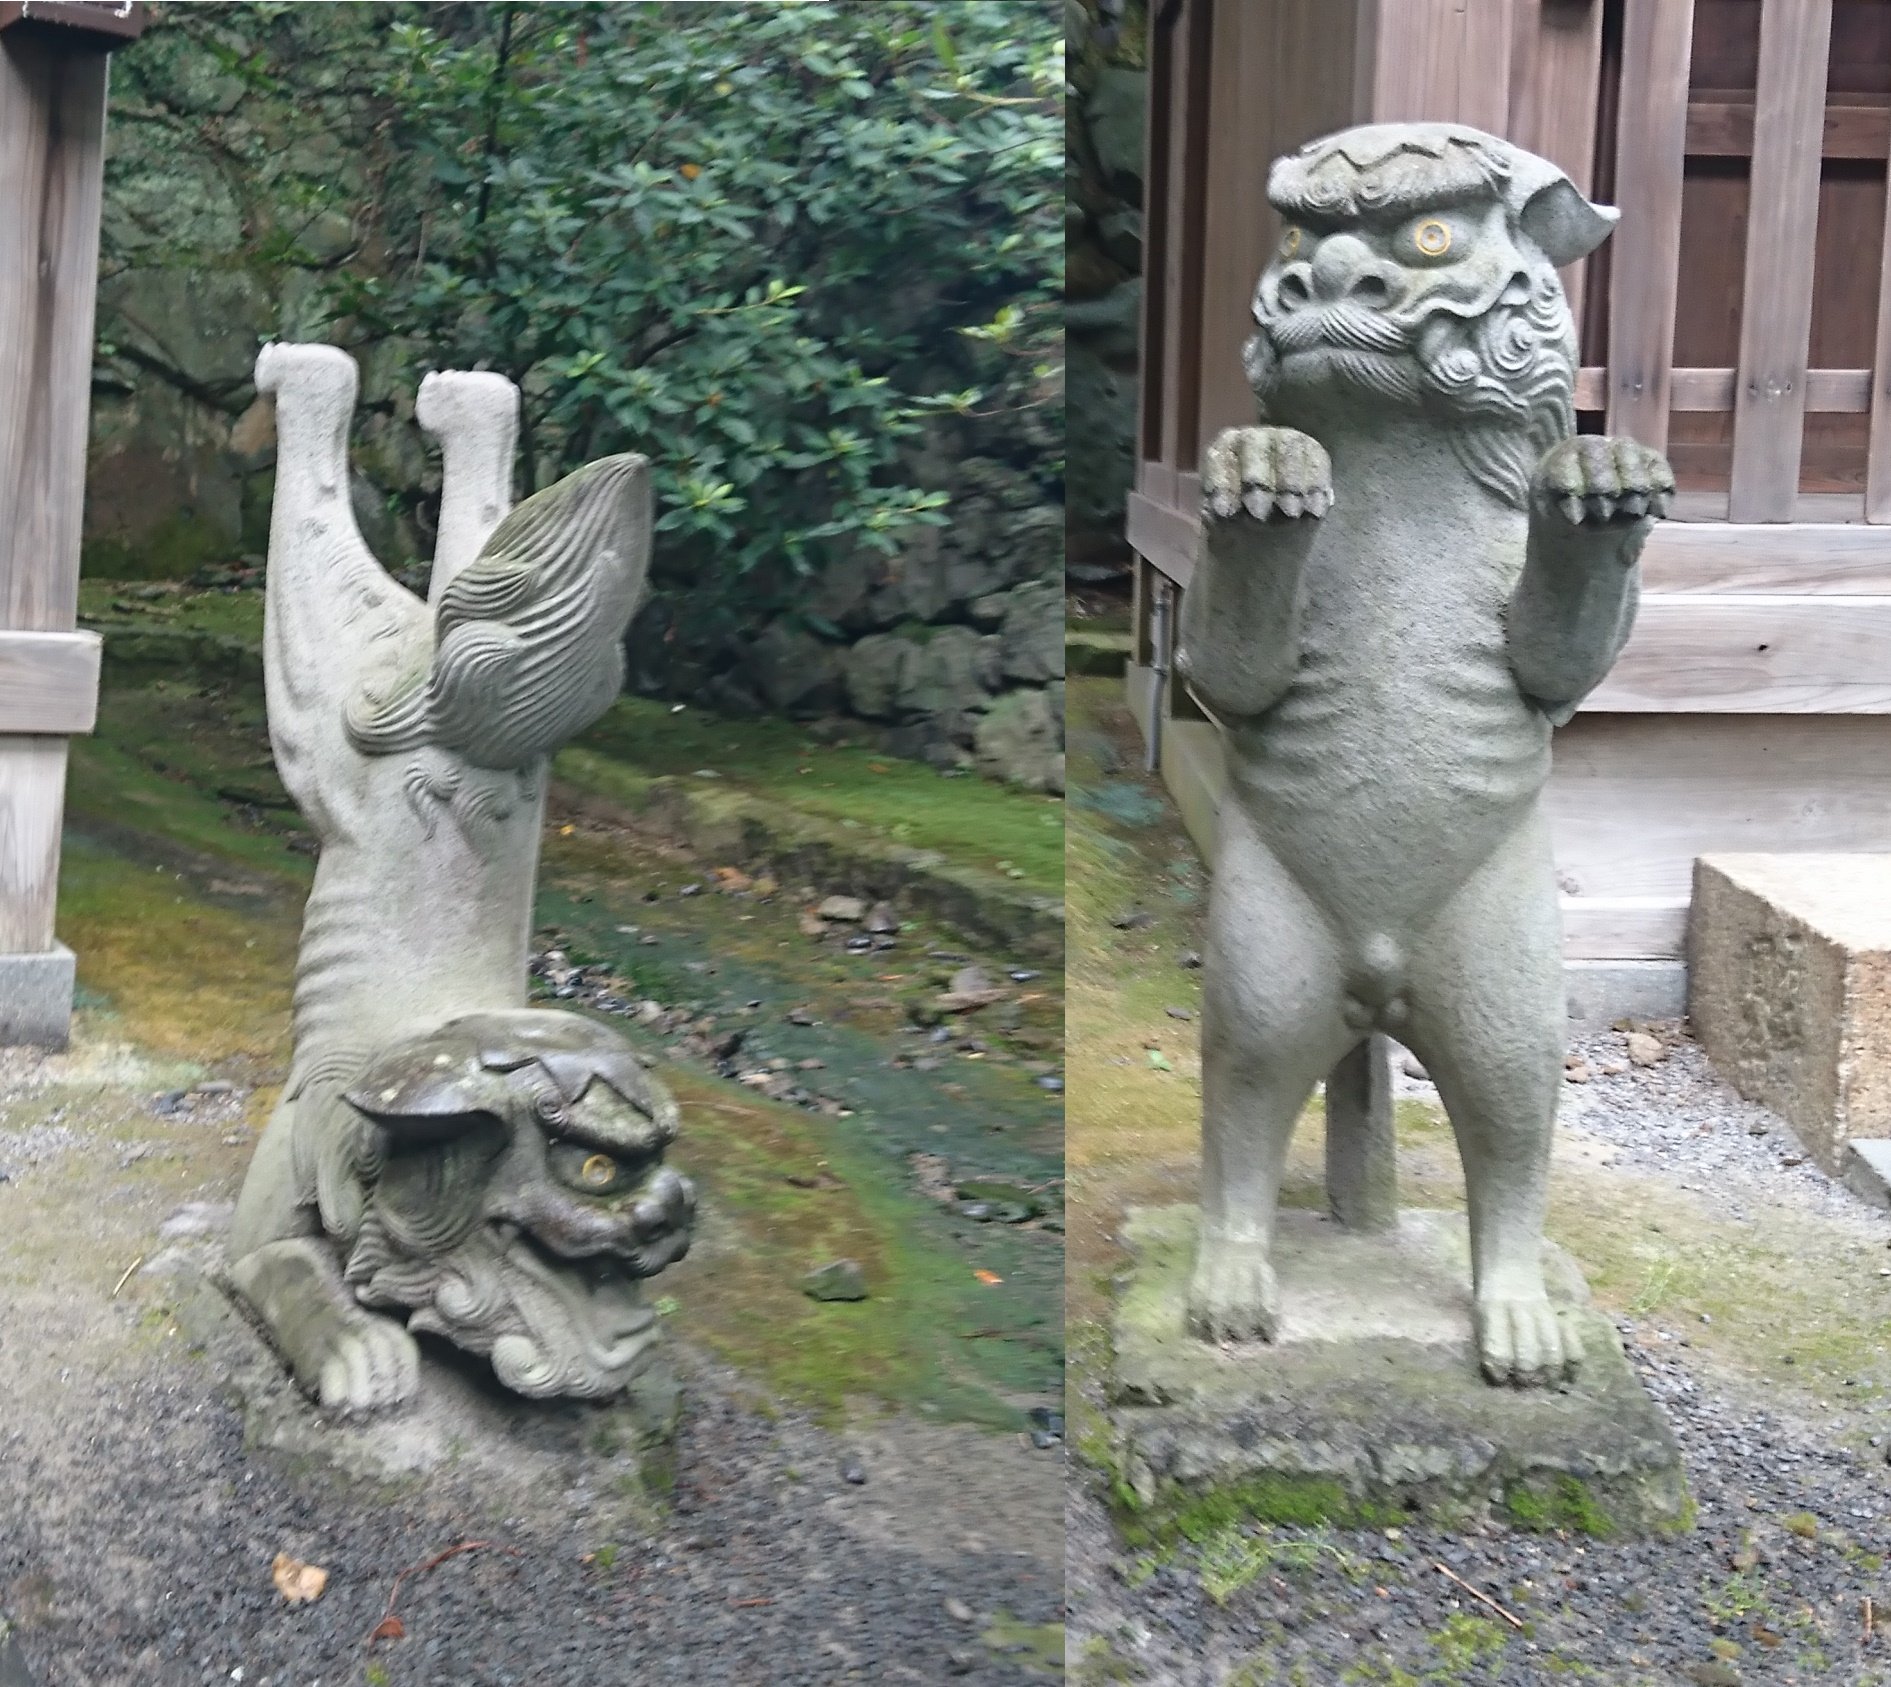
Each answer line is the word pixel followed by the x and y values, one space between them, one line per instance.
pixel 1409 574
pixel 445 1158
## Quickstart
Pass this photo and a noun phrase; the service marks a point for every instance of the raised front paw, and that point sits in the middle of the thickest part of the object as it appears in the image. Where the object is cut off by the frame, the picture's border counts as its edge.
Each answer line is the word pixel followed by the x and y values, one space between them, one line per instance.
pixel 1271 473
pixel 1524 1342
pixel 1593 480
pixel 1233 1296
pixel 367 1364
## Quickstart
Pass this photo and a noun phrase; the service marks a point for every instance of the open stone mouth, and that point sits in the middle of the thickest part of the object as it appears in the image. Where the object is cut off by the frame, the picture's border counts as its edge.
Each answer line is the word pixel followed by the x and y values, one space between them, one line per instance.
pixel 604 1275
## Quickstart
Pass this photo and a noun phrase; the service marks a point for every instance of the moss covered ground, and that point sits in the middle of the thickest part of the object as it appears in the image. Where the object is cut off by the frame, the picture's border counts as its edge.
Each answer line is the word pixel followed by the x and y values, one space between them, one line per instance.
pixel 971 822
pixel 182 880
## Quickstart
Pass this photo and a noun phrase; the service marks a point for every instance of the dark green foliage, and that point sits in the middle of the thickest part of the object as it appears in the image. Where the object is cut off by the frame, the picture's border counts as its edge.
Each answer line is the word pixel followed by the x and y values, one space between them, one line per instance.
pixel 759 242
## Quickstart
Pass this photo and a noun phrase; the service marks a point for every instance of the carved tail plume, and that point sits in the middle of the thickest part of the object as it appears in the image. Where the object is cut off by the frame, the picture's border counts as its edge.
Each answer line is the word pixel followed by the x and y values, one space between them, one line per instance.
pixel 528 638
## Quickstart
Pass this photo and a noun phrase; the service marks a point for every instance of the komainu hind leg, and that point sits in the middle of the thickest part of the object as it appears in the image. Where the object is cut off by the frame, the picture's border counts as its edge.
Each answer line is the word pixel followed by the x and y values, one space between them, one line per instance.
pixel 1271 1028
pixel 1487 1019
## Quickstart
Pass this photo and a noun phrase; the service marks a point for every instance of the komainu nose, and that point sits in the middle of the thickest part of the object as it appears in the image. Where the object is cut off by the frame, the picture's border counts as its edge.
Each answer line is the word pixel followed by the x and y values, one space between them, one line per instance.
pixel 1344 268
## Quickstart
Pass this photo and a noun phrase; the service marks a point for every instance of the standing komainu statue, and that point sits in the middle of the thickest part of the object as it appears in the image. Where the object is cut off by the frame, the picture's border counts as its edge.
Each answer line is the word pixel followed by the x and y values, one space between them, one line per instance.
pixel 1409 575
pixel 445 1158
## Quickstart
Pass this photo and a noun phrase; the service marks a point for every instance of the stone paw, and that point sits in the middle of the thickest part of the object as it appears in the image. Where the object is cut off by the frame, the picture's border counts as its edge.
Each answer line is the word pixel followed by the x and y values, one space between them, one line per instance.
pixel 1233 1296
pixel 1272 474
pixel 1524 1342
pixel 1593 480
pixel 369 1364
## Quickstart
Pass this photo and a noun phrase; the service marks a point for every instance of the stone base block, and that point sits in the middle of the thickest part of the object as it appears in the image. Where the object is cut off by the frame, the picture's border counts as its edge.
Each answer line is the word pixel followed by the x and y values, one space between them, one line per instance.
pixel 36 999
pixel 521 1455
pixel 1790 989
pixel 1370 1406
pixel 1601 992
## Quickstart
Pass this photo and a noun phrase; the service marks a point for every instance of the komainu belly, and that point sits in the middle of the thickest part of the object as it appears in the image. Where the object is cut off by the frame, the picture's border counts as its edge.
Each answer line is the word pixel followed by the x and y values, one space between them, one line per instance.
pixel 1381 785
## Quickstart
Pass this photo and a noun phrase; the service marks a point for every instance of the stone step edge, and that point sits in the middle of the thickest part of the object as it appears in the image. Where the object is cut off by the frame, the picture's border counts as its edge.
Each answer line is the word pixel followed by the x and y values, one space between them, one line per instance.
pixel 738 829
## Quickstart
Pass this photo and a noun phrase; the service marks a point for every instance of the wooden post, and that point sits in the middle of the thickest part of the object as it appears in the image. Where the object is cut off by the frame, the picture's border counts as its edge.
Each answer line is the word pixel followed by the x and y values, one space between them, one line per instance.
pixel 1645 263
pixel 1776 295
pixel 52 133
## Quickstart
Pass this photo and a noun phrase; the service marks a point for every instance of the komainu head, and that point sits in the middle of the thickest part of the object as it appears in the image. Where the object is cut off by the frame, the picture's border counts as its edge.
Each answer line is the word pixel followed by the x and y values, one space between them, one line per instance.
pixel 517 1195
pixel 1417 267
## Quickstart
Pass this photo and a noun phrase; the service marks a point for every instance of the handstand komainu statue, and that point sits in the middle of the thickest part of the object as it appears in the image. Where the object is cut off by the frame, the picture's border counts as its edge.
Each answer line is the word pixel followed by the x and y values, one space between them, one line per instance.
pixel 445 1158
pixel 1408 576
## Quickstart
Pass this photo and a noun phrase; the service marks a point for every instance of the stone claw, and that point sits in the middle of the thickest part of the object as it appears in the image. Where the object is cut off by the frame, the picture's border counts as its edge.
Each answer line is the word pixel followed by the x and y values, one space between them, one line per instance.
pixel 1233 1296
pixel 1523 1342
pixel 1271 474
pixel 1593 480
pixel 372 1364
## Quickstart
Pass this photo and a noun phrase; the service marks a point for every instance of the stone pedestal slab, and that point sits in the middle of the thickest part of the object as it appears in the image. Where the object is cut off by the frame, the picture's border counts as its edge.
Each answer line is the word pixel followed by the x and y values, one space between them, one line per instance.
pixel 523 1456
pixel 1370 1405
pixel 1790 989
pixel 36 999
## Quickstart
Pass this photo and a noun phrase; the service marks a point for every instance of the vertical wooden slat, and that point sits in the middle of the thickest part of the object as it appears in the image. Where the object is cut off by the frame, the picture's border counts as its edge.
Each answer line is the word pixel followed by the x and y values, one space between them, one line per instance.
pixel 52 124
pixel 1878 447
pixel 1188 183
pixel 1158 121
pixel 1555 67
pixel 1236 189
pixel 1776 294
pixel 1437 61
pixel 1645 264
pixel 52 127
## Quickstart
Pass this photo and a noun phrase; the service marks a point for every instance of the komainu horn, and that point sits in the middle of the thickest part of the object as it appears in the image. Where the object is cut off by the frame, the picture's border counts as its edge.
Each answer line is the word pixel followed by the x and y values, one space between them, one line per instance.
pixel 1410 573
pixel 445 1159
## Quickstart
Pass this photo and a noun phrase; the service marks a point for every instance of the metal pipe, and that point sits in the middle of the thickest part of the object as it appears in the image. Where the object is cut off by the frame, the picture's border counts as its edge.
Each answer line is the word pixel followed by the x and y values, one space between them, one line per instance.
pixel 1161 652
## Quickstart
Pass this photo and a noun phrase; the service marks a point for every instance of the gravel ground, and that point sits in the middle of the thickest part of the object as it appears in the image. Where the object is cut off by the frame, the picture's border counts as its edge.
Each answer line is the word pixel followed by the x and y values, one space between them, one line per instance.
pixel 136 1549
pixel 1769 1590
pixel 138 1533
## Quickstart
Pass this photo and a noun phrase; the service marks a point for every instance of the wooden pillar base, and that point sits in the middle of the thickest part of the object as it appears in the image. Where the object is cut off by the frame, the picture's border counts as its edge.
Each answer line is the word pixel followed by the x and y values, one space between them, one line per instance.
pixel 36 999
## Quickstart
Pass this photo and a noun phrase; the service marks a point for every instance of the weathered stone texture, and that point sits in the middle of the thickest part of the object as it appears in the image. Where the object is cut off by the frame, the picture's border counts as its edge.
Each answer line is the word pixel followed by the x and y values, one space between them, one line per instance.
pixel 1790 989
pixel 1369 1403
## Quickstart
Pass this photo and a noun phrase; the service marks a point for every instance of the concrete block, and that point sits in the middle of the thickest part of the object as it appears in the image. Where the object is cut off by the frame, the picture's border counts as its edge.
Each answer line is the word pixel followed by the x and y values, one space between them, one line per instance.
pixel 1370 1404
pixel 36 999
pixel 1789 960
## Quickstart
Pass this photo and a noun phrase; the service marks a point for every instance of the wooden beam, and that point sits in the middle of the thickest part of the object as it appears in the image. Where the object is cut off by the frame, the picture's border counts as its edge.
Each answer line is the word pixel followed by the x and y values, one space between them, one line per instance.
pixel 1753 653
pixel 1776 294
pixel 1165 536
pixel 48 682
pixel 1831 391
pixel 1645 258
pixel 1723 128
pixel 1609 928
pixel 101 23
pixel 1800 559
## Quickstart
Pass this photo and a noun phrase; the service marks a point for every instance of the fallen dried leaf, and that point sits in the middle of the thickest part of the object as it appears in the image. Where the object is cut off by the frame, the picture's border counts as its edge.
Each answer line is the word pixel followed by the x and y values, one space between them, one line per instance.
pixel 297 1582
pixel 389 1628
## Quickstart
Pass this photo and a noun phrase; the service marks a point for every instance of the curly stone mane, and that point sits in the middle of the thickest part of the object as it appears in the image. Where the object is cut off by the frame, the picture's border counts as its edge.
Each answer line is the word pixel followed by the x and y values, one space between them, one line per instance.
pixel 1504 363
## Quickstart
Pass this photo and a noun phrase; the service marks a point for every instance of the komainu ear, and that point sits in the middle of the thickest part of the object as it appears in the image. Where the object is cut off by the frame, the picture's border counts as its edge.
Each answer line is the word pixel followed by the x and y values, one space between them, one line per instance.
pixel 1563 223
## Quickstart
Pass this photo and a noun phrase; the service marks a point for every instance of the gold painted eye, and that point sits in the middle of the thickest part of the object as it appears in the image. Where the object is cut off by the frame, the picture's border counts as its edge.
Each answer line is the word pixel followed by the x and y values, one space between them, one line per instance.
pixel 1290 243
pixel 1432 237
pixel 598 1171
